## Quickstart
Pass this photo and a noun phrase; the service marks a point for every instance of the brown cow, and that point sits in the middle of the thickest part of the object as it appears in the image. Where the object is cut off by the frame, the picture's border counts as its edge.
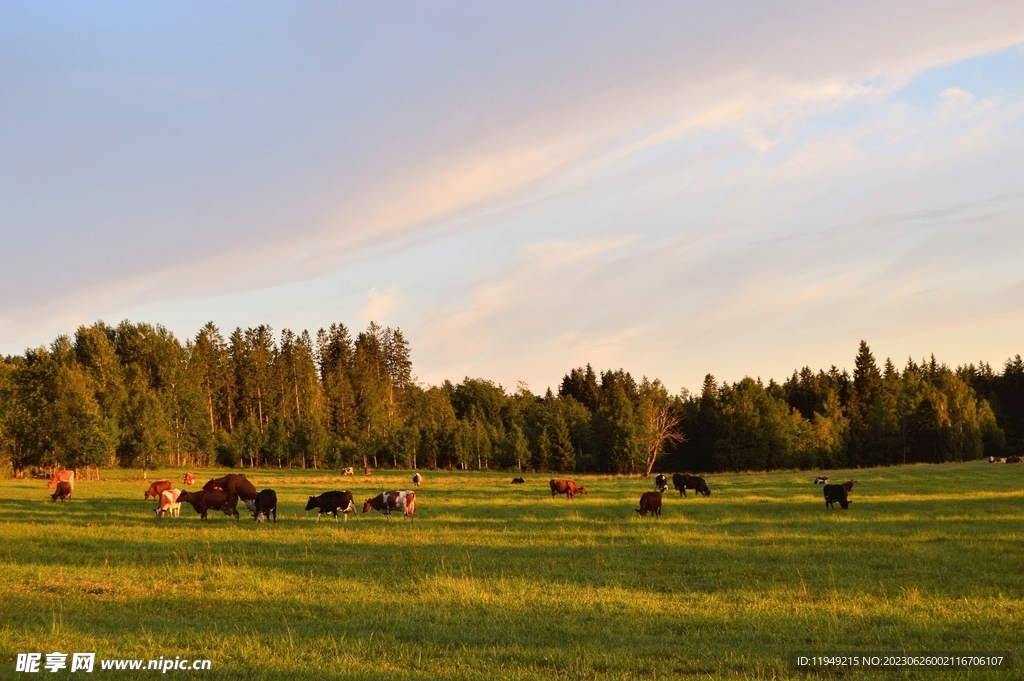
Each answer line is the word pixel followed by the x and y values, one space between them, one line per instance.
pixel 650 502
pixel 1013 459
pixel 63 491
pixel 367 471
pixel 62 476
pixel 157 488
pixel 385 502
pixel 233 483
pixel 205 499
pixel 566 487
pixel 848 486
pixel 190 478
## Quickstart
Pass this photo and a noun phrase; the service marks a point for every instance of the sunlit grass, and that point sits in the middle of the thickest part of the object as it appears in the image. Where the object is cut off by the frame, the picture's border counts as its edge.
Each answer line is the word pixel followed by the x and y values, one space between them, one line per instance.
pixel 501 581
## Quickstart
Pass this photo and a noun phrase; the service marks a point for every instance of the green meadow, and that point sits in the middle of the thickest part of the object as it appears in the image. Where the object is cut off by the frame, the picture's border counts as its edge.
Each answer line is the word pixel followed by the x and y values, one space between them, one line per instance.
pixel 501 581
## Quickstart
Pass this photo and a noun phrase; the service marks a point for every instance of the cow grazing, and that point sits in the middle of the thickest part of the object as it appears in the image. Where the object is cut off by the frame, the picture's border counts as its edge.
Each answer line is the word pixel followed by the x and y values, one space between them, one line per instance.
pixel 518 481
pixel 158 488
pixel 417 479
pixel 63 491
pixel 650 502
pixel 386 502
pixel 834 493
pixel 62 476
pixel 660 482
pixel 263 506
pixel 333 503
pixel 683 482
pixel 233 483
pixel 348 471
pixel 190 478
pixel 821 480
pixel 169 503
pixel 567 487
pixel 367 471
pixel 205 499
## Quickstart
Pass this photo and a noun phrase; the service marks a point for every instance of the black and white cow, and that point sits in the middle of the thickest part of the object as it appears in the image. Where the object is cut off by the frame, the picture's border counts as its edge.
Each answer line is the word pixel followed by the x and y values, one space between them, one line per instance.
pixel 661 483
pixel 263 506
pixel 821 480
pixel 333 503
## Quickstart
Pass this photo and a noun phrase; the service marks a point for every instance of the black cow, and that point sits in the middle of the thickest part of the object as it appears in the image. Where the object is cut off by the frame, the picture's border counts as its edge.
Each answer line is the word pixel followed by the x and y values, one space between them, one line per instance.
pixel 263 506
pixel 661 483
pixel 834 493
pixel 682 482
pixel 518 481
pixel 332 502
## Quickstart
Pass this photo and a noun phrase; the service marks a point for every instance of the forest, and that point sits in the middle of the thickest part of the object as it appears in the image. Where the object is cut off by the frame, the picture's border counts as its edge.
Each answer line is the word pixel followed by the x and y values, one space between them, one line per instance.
pixel 135 396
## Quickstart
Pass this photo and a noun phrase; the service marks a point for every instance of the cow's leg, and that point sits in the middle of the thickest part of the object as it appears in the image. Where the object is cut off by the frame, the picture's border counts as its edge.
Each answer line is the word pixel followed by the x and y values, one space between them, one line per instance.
pixel 318 516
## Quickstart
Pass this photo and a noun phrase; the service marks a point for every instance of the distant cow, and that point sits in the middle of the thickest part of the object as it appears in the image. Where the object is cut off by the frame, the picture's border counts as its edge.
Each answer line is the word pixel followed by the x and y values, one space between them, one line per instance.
pixel 1013 459
pixel 650 502
pixel 682 482
pixel 233 483
pixel 386 502
pixel 834 493
pixel 566 487
pixel 518 481
pixel 348 471
pixel 263 506
pixel 367 471
pixel 205 499
pixel 821 480
pixel 417 479
pixel 991 459
pixel 67 476
pixel 169 503
pixel 332 503
pixel 63 491
pixel 660 482
pixel 190 478
pixel 158 488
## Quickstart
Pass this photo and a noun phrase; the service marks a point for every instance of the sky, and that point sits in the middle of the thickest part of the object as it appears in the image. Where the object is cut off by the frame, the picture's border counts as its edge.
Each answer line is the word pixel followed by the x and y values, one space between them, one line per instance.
pixel 676 189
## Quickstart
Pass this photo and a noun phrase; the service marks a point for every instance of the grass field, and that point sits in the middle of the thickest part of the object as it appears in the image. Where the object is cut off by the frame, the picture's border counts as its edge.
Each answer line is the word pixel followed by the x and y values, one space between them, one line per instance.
pixel 496 581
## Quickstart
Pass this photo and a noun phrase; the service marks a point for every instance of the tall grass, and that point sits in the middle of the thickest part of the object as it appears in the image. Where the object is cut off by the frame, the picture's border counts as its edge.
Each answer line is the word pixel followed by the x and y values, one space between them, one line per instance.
pixel 501 581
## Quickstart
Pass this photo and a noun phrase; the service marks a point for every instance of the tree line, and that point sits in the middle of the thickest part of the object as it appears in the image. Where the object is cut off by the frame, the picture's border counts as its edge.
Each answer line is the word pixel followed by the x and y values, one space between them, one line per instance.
pixel 135 396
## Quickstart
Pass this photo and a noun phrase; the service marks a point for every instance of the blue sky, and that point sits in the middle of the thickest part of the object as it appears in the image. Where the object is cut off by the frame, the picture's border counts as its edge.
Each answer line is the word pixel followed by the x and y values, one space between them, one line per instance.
pixel 671 188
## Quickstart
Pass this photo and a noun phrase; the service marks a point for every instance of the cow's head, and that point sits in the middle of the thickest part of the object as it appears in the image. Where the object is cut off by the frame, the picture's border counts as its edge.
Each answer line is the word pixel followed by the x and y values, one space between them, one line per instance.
pixel 844 503
pixel 582 490
pixel 367 505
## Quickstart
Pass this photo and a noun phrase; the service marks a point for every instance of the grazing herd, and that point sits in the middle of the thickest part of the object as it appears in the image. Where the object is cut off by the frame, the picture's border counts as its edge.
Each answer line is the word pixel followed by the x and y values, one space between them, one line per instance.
pixel 223 494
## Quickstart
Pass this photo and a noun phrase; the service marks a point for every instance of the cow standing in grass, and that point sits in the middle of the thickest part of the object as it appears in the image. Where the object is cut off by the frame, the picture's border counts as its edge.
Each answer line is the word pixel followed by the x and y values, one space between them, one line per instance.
pixel 206 499
pixel 661 483
pixel 169 503
pixel 650 502
pixel 567 487
pixel 334 502
pixel 386 502
pixel 58 477
pixel 157 488
pixel 63 491
pixel 683 481
pixel 837 493
pixel 263 506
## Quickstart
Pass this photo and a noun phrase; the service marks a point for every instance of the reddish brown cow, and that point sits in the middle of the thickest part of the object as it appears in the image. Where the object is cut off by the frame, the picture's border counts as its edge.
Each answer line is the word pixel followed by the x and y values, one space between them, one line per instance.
pixel 566 487
pixel 190 478
pixel 157 488
pixel 386 502
pixel 62 476
pixel 63 491
pixel 233 483
pixel 650 502
pixel 205 499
